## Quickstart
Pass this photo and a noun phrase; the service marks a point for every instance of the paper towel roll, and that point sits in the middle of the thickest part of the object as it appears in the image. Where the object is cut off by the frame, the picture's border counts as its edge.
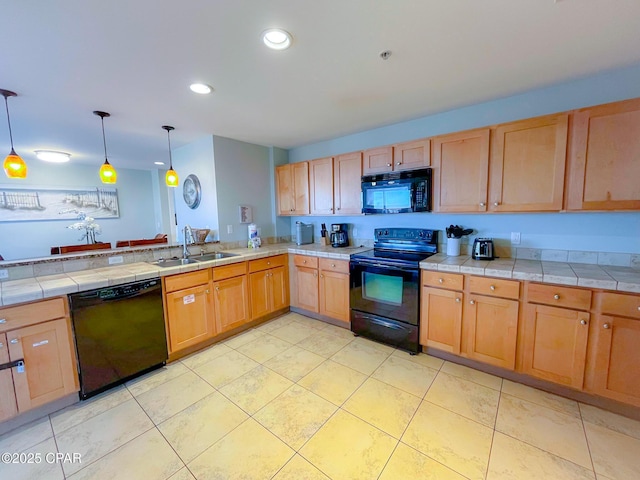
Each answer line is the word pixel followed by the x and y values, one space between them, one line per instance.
pixel 253 231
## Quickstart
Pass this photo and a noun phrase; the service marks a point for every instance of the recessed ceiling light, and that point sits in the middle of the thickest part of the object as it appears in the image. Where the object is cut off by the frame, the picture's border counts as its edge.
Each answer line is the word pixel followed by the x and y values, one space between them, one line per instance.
pixel 201 88
pixel 51 156
pixel 158 163
pixel 276 38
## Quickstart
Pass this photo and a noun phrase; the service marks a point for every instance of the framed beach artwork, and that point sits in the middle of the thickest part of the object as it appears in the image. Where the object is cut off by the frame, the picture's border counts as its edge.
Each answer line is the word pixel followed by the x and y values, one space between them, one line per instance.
pixel 32 203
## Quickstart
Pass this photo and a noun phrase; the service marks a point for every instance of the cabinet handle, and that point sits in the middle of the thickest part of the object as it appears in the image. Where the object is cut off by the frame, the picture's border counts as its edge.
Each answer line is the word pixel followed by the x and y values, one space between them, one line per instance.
pixel 388 164
pixel 339 209
pixel 606 326
pixel 13 341
pixel 556 297
pixel 4 320
pixel 583 322
pixel 207 291
pixel 333 264
pixel 1 345
pixel 638 310
pixel 398 163
pixel 472 302
pixel 482 204
pixel 268 263
pixel 492 288
pixel 457 300
pixel 495 204
pixel 217 289
pixel 315 274
pixel 440 280
pixel 321 275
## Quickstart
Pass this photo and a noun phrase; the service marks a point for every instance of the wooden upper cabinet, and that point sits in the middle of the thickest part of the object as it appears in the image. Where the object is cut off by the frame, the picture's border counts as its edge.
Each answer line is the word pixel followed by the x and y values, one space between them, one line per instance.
pixel 292 188
pixel 527 165
pixel 321 186
pixel 412 155
pixel 461 169
pixel 377 160
pixel 604 158
pixel 347 179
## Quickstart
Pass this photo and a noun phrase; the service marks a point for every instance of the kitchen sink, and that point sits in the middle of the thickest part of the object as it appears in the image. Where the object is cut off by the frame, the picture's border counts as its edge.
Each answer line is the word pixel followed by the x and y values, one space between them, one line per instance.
pixel 173 262
pixel 212 256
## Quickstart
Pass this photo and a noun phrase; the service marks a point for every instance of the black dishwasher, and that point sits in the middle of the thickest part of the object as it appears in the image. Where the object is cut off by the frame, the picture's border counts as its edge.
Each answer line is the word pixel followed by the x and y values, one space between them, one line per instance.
pixel 119 333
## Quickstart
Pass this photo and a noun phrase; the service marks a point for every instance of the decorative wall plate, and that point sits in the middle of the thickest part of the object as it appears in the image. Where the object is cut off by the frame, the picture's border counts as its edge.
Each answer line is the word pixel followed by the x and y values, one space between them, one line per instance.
pixel 191 191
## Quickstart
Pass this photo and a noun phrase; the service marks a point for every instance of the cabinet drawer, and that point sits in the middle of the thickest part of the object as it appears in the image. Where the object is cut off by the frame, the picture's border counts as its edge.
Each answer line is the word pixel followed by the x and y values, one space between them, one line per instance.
pixel 185 280
pixel 623 305
pixel 495 287
pixel 228 271
pixel 442 280
pixel 559 296
pixel 305 261
pixel 32 313
pixel 341 266
pixel 266 263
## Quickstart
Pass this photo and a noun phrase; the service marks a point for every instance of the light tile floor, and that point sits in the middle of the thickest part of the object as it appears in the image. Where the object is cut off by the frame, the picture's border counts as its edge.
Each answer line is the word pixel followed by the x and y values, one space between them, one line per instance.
pixel 298 399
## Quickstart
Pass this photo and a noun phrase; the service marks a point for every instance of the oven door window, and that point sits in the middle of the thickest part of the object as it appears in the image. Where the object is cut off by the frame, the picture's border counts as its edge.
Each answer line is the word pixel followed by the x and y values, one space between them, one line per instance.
pixel 382 288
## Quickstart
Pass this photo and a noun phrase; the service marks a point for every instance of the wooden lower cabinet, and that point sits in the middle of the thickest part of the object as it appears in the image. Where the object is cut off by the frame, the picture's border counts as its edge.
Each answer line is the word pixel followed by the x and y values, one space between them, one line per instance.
pixel 616 343
pixel 441 319
pixel 190 317
pixel 8 406
pixel 269 291
pixel 555 344
pixel 307 293
pixel 231 300
pixel 492 325
pixel 334 295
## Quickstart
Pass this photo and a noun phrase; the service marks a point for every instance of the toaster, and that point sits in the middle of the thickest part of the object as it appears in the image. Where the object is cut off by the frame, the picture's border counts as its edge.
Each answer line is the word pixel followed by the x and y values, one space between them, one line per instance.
pixel 482 249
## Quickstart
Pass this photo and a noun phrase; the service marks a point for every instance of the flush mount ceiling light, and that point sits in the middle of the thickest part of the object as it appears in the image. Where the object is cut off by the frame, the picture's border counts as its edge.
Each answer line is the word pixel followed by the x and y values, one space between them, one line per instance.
pixel 14 166
pixel 53 157
pixel 276 38
pixel 158 163
pixel 171 178
pixel 201 88
pixel 108 174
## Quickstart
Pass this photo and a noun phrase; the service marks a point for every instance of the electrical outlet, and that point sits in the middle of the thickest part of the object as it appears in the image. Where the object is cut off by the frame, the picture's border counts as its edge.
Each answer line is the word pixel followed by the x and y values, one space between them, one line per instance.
pixel 4 273
pixel 515 238
pixel 229 228
pixel 114 260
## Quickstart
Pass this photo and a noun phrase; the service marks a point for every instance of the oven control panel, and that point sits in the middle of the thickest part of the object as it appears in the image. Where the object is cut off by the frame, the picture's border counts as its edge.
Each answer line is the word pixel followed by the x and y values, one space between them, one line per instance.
pixel 418 235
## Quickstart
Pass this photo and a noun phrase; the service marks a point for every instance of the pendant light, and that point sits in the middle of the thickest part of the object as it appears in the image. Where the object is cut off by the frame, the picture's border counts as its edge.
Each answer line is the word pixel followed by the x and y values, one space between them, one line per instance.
pixel 108 174
pixel 14 166
pixel 171 178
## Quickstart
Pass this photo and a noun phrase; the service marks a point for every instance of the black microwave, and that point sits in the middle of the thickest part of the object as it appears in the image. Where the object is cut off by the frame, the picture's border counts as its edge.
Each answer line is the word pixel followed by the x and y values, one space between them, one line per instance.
pixel 397 192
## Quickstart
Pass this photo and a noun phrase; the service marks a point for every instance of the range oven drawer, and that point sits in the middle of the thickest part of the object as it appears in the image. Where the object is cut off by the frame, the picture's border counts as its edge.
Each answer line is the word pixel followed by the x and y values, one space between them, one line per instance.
pixel 385 330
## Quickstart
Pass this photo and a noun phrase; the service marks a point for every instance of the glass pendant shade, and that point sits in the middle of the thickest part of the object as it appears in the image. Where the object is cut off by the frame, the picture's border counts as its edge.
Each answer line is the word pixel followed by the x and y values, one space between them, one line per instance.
pixel 14 166
pixel 171 178
pixel 108 174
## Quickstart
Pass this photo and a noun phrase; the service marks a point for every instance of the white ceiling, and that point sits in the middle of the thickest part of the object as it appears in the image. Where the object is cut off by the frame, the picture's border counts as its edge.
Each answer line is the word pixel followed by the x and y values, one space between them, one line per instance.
pixel 136 58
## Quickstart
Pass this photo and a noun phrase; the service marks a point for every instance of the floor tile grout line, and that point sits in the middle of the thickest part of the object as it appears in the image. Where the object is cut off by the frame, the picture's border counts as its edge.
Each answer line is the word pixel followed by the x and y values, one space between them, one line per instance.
pixel 493 431
pixel 586 436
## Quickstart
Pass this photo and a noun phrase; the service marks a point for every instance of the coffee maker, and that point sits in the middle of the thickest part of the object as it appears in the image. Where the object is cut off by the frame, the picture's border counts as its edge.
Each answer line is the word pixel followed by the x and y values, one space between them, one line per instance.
pixel 339 237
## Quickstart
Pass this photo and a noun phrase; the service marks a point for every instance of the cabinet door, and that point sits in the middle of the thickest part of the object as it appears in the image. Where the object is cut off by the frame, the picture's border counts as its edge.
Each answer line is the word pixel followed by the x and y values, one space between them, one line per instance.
pixel 321 186
pixel 49 363
pixel 279 288
pixel 284 190
pixel 347 180
pixel 441 319
pixel 527 165
pixel 461 170
pixel 334 295
pixel 231 301
pixel 555 344
pixel 8 407
pixel 493 330
pixel 377 160
pixel 259 288
pixel 412 155
pixel 603 159
pixel 300 175
pixel 307 288
pixel 189 317
pixel 617 358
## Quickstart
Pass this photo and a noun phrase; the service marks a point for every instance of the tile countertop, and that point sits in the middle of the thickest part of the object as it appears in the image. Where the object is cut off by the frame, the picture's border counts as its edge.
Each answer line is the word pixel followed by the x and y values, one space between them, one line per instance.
pixel 36 288
pixel 624 279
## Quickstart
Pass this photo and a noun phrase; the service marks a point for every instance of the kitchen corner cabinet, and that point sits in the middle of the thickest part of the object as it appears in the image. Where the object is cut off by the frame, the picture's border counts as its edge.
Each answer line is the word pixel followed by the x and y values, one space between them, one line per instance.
pixel 189 309
pixel 616 352
pixel 321 186
pixel 231 296
pixel 334 289
pixel 604 154
pixel 347 179
pixel 460 171
pixel 527 165
pixel 39 333
pixel 441 311
pixel 292 188
pixel 268 285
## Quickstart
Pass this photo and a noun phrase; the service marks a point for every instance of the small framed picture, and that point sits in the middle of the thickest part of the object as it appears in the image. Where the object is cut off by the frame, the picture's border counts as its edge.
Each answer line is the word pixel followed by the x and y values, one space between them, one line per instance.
pixel 246 214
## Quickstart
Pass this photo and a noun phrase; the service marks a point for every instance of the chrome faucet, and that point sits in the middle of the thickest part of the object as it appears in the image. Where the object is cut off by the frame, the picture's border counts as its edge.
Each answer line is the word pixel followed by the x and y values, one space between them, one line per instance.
pixel 188 238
